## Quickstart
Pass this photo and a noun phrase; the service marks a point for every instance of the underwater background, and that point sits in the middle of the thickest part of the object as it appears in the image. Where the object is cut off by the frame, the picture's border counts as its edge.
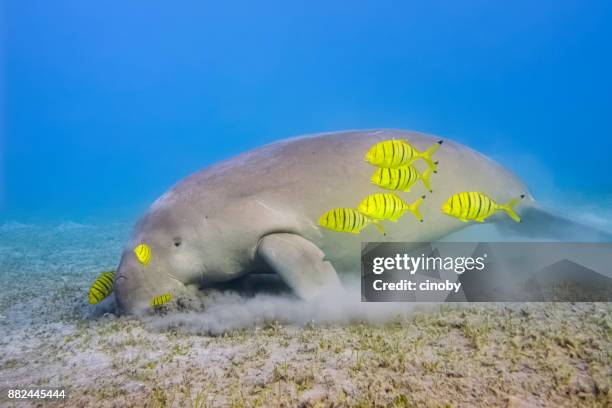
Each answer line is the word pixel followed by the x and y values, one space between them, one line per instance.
pixel 105 105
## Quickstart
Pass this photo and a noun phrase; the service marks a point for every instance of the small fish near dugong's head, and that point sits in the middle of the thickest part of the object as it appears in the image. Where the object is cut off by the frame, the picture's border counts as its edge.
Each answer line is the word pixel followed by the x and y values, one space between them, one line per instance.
pixel 163 254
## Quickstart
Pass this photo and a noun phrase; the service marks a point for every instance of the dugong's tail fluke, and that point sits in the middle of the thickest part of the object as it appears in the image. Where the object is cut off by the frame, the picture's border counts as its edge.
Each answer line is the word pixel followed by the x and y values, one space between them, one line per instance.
pixel 539 223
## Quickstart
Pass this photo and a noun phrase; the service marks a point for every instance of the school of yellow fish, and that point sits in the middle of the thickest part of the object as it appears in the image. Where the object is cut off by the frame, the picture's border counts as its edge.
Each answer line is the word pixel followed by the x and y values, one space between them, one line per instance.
pixel 395 171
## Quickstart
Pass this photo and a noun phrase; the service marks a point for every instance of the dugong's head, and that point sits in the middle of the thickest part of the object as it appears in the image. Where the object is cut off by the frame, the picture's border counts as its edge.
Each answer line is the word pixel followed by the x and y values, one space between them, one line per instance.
pixel 162 256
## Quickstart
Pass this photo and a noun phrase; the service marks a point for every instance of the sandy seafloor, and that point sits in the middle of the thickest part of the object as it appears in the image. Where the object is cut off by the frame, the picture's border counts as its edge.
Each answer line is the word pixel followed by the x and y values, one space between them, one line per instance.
pixel 272 350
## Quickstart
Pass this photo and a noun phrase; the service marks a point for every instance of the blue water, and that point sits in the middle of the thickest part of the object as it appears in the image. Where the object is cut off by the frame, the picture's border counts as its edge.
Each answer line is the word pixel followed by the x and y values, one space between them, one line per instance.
pixel 104 105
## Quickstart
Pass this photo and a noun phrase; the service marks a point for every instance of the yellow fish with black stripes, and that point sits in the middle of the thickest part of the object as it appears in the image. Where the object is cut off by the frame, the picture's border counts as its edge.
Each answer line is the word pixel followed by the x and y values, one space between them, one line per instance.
pixel 388 206
pixel 143 253
pixel 102 287
pixel 401 178
pixel 478 206
pixel 347 220
pixel 397 153
pixel 161 300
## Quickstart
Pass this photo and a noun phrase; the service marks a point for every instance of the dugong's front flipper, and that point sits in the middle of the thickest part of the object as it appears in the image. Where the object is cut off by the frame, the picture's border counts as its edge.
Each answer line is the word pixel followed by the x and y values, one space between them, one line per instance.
pixel 299 262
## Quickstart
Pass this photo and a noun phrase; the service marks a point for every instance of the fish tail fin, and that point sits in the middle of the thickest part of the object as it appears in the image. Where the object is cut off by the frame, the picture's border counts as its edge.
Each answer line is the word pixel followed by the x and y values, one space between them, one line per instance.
pixel 425 178
pixel 426 155
pixel 376 223
pixel 414 208
pixel 508 208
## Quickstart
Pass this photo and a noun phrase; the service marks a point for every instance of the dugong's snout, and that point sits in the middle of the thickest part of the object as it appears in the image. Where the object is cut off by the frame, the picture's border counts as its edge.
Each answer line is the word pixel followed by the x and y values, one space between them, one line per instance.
pixel 130 287
pixel 137 284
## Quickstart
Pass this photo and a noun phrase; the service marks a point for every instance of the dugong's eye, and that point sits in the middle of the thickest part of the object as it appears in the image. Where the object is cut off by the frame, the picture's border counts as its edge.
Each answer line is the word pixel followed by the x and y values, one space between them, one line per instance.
pixel 177 242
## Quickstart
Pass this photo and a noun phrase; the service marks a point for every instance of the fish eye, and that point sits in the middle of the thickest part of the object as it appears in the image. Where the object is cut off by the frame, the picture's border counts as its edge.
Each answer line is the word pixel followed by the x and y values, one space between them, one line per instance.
pixel 177 242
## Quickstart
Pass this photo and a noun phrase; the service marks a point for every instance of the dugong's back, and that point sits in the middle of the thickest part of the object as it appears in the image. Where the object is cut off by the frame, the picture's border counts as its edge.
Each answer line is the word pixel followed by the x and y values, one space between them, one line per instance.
pixel 333 163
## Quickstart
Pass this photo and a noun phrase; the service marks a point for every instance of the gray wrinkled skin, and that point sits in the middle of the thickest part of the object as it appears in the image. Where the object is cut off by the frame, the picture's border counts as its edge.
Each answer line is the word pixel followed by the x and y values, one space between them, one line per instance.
pixel 220 214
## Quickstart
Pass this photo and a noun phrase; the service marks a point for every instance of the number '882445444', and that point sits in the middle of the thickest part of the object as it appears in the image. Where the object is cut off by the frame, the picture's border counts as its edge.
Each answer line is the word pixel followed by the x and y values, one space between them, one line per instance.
pixel 36 393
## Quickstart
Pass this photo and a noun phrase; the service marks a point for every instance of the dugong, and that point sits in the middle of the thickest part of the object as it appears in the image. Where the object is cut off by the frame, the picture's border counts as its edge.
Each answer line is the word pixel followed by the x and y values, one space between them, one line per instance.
pixel 260 210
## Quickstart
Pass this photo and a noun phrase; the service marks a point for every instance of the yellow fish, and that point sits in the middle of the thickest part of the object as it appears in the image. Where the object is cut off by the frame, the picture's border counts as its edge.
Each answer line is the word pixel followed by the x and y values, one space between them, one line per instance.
pixel 143 253
pixel 387 206
pixel 102 287
pixel 477 206
pixel 161 300
pixel 401 178
pixel 347 220
pixel 396 153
